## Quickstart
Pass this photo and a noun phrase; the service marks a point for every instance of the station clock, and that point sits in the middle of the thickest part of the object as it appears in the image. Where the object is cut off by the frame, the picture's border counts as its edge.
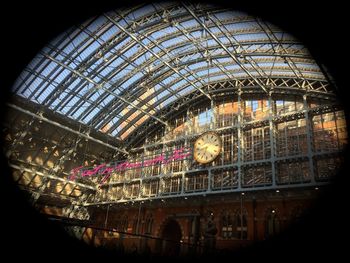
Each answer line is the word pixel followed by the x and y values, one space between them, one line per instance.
pixel 207 147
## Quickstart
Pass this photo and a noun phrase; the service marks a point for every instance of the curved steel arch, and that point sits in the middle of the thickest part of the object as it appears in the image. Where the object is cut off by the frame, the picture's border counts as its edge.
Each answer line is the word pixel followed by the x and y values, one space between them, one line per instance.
pixel 101 74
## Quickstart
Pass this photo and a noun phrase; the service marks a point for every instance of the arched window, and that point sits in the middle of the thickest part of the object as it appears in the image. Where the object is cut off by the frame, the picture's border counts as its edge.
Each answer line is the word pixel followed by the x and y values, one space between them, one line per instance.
pixel 242 226
pixel 125 223
pixel 136 225
pixel 148 223
pixel 227 227
pixel 296 214
pixel 122 223
pixel 272 223
pixel 234 225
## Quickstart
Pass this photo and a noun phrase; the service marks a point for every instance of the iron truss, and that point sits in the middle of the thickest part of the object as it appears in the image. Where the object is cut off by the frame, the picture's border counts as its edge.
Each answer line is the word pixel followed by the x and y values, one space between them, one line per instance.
pixel 102 87
pixel 193 180
pixel 128 68
pixel 283 86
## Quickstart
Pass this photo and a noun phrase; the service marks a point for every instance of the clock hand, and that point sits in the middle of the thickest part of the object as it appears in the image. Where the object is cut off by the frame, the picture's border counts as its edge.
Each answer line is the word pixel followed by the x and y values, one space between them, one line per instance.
pixel 204 146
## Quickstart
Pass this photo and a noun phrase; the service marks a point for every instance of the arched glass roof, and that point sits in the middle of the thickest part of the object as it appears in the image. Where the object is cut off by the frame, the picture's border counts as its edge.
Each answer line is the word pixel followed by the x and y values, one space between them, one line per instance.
pixel 116 71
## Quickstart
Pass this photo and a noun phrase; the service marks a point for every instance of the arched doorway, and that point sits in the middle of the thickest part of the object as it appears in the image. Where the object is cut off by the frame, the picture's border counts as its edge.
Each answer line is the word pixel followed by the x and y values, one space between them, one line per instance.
pixel 171 236
pixel 272 224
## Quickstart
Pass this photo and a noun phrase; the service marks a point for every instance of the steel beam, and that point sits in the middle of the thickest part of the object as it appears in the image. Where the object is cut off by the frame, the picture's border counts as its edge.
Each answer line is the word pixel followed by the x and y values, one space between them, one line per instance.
pixel 39 117
pixel 225 48
pixel 253 63
pixel 293 67
pixel 271 160
pixel 273 139
pixel 157 56
pixel 100 86
pixel 309 138
pixel 46 175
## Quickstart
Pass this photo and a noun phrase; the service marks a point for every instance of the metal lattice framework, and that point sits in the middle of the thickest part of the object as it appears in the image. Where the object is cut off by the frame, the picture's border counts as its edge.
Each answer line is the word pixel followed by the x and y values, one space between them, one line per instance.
pixel 115 79
pixel 116 72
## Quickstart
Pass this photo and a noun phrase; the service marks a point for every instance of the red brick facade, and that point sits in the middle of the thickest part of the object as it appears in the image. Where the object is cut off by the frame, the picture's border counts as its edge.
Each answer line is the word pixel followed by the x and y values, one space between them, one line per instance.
pixel 265 213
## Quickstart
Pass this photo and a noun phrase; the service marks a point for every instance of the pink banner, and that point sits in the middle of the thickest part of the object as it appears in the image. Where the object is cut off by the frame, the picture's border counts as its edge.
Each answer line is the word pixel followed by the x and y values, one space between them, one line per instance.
pixel 107 170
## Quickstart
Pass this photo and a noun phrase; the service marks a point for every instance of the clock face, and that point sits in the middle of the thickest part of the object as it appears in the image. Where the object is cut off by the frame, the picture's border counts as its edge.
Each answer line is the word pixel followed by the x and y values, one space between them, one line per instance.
pixel 207 147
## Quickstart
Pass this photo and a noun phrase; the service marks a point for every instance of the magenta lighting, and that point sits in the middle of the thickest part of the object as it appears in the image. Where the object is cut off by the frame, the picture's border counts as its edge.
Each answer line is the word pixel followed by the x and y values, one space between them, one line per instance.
pixel 107 169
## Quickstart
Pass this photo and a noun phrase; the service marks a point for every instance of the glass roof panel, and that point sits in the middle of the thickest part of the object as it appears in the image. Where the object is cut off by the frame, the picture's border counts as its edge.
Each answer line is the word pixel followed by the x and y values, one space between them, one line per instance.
pixel 46 92
pixel 172 41
pixel 71 103
pixel 90 49
pixel 124 62
pixel 141 12
pixel 132 79
pixel 92 27
pixel 163 94
pixel 251 37
pixel 81 109
pixel 112 31
pixel 93 113
pixel 169 100
pixel 186 90
pixel 240 26
pixel 21 84
pixel 178 84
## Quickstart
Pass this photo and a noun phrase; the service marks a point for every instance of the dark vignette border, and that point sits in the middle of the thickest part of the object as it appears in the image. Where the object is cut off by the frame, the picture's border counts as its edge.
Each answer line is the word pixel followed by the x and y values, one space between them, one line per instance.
pixel 26 28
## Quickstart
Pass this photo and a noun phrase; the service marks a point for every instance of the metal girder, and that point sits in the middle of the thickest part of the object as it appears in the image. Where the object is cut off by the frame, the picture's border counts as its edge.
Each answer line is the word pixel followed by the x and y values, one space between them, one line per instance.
pixel 314 87
pixel 156 55
pixel 85 64
pixel 24 80
pixel 224 47
pixel 36 195
pixel 187 63
pixel 51 176
pixel 100 86
pixel 231 37
pixel 162 74
pixel 166 52
pixel 65 128
pixel 182 191
pixel 289 61
pixel 56 69
pixel 271 82
pixel 223 70
pixel 175 195
pixel 208 58
pixel 161 17
pixel 75 93
pixel 114 84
